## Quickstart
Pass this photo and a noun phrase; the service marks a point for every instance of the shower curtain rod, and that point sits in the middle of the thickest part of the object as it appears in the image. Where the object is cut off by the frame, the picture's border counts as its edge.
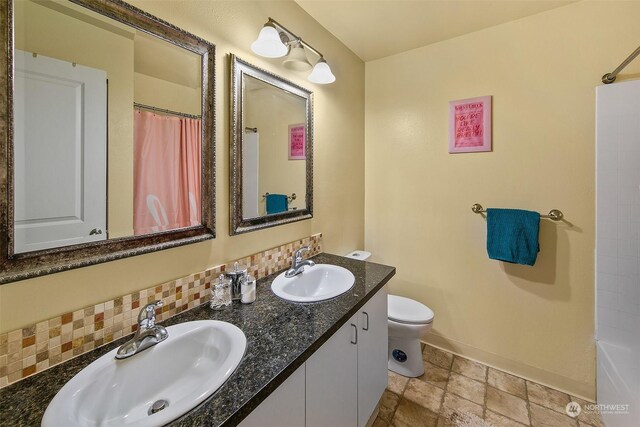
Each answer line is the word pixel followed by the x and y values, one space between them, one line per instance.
pixel 162 110
pixel 611 77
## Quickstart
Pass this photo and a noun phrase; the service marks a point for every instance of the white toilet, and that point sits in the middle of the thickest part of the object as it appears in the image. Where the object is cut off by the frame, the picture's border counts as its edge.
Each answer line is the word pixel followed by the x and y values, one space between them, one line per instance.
pixel 408 320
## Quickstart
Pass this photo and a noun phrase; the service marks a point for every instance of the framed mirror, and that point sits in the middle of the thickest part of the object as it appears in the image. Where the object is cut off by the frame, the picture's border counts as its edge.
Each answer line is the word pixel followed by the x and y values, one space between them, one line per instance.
pixel 271 149
pixel 106 135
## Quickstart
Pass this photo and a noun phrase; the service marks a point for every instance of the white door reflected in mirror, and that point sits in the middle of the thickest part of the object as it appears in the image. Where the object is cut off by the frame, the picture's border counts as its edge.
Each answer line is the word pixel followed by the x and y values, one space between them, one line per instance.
pixel 60 153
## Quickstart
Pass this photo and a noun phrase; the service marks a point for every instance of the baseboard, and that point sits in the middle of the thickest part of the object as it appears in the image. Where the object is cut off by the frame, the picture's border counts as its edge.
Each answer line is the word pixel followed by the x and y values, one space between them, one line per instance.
pixel 372 418
pixel 522 370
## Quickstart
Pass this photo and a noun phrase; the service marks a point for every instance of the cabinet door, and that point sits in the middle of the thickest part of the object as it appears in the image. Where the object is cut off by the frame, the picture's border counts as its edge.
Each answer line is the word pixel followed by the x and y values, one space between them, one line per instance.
pixel 372 355
pixel 332 375
pixel 283 407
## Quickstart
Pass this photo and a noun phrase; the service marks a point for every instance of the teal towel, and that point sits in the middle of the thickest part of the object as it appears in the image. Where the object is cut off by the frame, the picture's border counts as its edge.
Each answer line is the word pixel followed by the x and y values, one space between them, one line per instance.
pixel 512 235
pixel 277 203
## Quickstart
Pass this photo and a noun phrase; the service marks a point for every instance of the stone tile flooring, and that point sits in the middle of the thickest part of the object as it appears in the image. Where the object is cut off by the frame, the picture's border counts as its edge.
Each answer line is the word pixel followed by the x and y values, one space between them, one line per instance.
pixel 455 390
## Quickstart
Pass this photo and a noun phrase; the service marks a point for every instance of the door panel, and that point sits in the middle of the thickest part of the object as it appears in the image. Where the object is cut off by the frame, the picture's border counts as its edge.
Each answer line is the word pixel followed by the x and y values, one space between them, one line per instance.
pixel 284 407
pixel 372 355
pixel 332 376
pixel 60 158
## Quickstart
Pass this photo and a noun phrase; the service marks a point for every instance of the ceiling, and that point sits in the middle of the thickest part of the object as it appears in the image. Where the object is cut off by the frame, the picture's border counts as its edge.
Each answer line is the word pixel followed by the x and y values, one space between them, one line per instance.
pixel 373 29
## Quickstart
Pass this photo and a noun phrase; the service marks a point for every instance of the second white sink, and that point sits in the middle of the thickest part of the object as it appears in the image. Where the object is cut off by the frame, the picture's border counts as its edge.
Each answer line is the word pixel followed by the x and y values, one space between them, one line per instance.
pixel 173 376
pixel 317 283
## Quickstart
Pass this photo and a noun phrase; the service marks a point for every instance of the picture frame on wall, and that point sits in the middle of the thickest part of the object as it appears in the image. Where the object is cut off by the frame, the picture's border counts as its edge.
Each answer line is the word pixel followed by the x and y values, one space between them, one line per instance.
pixel 297 142
pixel 470 125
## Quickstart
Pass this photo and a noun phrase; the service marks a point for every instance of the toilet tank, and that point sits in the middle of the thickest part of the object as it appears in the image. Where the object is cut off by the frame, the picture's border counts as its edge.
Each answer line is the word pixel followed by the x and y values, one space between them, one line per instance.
pixel 361 255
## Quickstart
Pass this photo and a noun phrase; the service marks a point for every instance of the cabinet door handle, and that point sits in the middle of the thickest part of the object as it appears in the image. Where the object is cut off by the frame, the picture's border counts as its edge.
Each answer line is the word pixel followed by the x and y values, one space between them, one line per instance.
pixel 366 328
pixel 355 328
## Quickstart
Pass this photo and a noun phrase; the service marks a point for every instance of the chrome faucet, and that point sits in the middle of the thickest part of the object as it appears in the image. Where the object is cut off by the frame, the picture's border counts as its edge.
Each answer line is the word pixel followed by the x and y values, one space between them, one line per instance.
pixel 147 335
pixel 297 264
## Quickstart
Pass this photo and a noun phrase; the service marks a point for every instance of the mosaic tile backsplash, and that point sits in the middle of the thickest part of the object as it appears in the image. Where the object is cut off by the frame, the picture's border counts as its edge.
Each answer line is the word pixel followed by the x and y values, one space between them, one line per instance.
pixel 33 349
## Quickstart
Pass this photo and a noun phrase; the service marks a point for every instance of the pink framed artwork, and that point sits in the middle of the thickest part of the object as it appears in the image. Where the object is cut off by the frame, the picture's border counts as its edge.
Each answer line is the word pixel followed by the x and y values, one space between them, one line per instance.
pixel 297 142
pixel 470 125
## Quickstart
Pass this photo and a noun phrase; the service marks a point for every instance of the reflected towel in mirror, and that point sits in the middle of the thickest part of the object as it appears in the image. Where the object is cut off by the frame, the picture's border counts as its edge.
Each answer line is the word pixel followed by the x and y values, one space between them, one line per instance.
pixel 277 203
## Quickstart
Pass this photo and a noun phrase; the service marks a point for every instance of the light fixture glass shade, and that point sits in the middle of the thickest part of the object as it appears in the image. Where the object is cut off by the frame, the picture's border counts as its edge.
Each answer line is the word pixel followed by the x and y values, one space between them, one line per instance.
pixel 268 43
pixel 297 58
pixel 321 73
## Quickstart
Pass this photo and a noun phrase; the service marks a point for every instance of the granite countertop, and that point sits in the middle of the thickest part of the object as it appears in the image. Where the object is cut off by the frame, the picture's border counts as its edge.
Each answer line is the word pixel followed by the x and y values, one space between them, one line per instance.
pixel 281 336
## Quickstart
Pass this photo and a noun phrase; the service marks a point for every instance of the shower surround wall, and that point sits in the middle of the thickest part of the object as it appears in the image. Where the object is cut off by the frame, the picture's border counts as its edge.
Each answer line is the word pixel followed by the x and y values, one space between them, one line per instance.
pixel 618 250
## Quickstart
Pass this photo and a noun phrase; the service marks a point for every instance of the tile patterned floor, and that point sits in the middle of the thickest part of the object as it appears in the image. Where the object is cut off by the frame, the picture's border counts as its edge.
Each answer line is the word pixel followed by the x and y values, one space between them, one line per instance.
pixel 452 384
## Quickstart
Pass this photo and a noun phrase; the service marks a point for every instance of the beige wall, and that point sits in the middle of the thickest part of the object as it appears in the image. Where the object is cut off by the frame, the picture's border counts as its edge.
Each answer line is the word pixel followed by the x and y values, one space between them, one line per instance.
pixel 149 90
pixel 51 33
pixel 338 166
pixel 541 71
pixel 272 111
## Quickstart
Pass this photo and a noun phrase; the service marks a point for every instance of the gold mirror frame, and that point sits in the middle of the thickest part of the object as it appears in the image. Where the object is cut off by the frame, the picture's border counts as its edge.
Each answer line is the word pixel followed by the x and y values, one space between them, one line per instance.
pixel 239 224
pixel 14 267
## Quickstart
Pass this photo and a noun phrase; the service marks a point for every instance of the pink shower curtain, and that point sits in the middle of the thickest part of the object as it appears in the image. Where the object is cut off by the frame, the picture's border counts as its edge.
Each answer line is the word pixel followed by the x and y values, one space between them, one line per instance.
pixel 166 172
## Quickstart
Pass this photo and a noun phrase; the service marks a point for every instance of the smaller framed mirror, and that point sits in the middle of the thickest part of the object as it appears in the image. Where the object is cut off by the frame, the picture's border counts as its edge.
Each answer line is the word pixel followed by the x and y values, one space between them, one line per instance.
pixel 271 149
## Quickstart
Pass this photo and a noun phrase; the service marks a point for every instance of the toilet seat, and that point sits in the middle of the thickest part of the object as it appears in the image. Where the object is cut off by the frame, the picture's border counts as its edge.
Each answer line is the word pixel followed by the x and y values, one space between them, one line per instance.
pixel 408 311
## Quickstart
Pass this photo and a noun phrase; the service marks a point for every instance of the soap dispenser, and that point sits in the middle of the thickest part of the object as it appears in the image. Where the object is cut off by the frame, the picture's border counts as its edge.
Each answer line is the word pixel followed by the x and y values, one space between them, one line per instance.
pixel 220 293
pixel 237 277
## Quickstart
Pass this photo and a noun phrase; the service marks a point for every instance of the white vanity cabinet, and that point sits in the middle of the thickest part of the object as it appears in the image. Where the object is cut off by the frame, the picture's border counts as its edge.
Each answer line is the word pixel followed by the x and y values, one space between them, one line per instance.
pixel 348 374
pixel 283 407
pixel 341 384
pixel 373 354
pixel 332 380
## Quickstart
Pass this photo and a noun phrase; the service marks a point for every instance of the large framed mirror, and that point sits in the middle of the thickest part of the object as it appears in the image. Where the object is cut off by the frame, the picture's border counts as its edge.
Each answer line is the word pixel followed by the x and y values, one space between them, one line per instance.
pixel 271 149
pixel 106 135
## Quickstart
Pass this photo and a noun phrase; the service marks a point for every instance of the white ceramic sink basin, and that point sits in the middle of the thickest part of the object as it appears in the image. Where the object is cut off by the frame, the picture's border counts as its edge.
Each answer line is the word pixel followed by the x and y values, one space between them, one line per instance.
pixel 317 283
pixel 186 368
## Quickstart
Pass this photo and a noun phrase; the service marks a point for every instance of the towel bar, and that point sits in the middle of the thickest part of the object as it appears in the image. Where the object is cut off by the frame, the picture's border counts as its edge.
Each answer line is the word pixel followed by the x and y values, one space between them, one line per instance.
pixel 291 197
pixel 554 214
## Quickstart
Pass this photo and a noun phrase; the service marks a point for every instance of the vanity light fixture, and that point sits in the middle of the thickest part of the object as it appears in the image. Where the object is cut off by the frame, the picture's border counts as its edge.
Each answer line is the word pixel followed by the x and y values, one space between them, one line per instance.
pixel 297 58
pixel 321 73
pixel 268 43
pixel 275 41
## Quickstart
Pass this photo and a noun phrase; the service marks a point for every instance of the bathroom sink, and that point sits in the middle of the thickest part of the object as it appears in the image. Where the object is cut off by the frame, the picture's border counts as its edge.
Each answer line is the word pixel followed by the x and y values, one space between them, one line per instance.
pixel 317 283
pixel 178 373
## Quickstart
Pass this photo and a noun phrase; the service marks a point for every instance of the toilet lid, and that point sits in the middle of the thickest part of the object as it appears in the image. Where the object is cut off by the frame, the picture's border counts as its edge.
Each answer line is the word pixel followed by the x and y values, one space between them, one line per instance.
pixel 406 310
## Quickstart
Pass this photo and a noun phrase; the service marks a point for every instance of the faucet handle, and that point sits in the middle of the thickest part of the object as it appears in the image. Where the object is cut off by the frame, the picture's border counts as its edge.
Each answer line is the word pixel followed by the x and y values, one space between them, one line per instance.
pixel 298 254
pixel 147 316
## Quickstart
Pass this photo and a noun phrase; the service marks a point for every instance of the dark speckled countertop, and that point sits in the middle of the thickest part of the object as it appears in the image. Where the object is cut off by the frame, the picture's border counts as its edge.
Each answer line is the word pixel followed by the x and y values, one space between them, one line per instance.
pixel 280 337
